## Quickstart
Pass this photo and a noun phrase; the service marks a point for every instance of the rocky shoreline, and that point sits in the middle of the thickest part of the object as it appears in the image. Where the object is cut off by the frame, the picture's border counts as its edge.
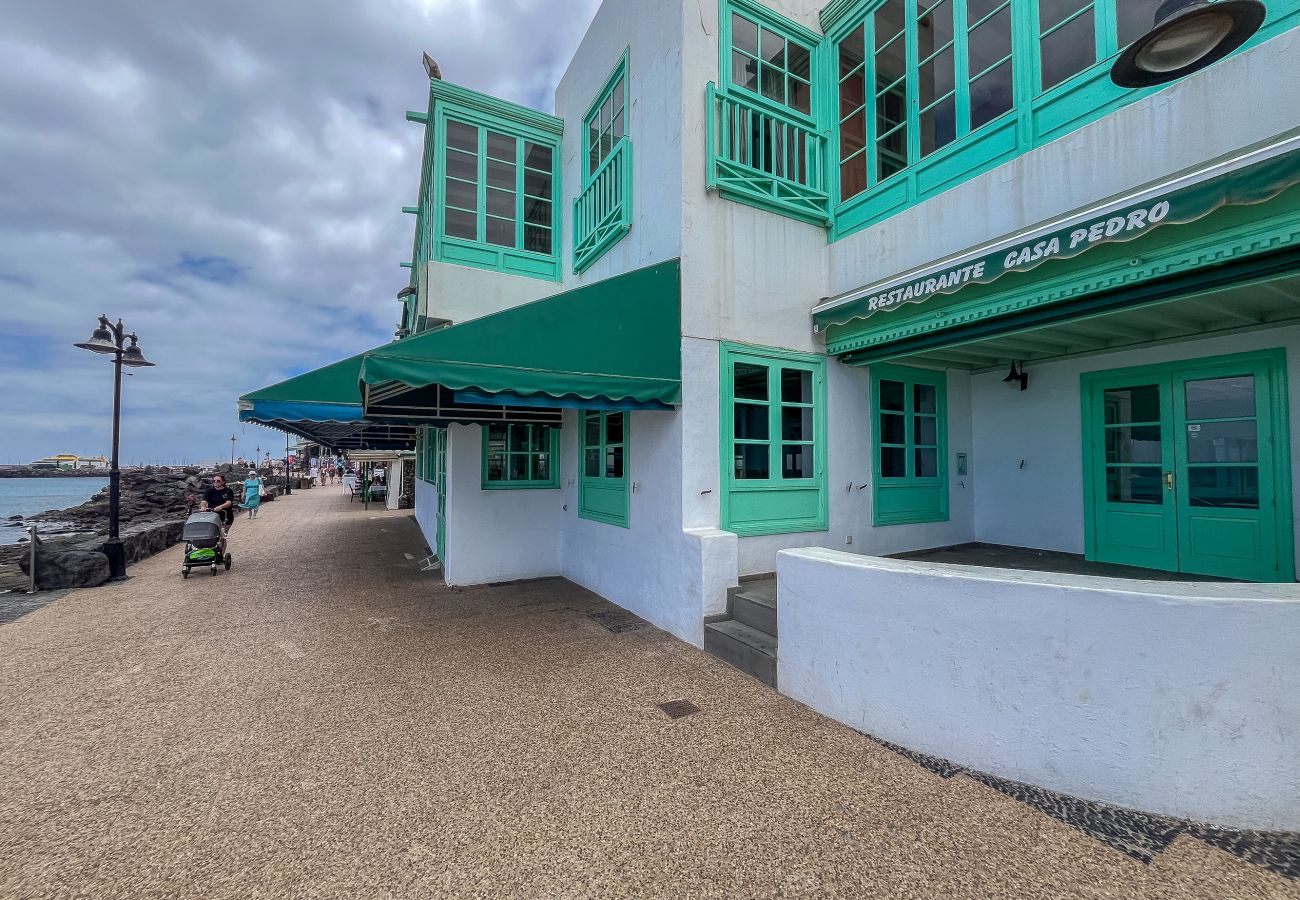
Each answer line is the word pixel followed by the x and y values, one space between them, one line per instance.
pixel 29 472
pixel 154 504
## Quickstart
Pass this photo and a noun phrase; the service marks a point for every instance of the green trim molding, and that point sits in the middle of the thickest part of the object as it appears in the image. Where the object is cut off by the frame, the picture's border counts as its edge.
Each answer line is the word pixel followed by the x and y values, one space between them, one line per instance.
pixel 909 445
pixel 773 440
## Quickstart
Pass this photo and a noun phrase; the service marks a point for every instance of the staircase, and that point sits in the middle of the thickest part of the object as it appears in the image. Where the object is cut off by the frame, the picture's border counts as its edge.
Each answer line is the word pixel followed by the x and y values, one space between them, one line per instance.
pixel 746 636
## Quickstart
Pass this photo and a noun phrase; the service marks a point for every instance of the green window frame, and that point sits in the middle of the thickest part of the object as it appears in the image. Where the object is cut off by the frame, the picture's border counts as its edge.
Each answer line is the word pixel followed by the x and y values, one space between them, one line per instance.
pixel 909 427
pixel 928 94
pixel 773 433
pixel 495 184
pixel 425 449
pixel 520 457
pixel 603 466
pixel 768 58
pixel 602 211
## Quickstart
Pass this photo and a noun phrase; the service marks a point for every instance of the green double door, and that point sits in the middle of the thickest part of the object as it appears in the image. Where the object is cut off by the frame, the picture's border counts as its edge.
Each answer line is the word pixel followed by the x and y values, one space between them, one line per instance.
pixel 1186 468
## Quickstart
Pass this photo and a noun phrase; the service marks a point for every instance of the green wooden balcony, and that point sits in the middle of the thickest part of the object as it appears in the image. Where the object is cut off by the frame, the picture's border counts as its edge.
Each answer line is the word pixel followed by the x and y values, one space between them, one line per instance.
pixel 602 213
pixel 765 158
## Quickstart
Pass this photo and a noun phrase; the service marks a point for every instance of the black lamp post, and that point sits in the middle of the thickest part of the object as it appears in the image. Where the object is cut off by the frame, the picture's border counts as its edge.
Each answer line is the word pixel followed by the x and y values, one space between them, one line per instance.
pixel 288 488
pixel 1187 36
pixel 109 339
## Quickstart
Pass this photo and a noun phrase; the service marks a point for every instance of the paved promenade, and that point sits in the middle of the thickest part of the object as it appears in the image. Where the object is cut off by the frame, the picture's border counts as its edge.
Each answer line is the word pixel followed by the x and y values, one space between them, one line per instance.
pixel 326 721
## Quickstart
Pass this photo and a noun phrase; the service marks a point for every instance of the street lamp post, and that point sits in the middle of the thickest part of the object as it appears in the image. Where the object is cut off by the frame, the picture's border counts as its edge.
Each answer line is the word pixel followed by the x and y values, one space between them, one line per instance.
pixel 232 451
pixel 288 488
pixel 106 339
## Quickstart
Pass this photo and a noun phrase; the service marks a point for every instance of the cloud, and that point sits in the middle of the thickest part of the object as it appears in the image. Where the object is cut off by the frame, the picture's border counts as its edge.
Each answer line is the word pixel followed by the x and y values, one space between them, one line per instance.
pixel 226 178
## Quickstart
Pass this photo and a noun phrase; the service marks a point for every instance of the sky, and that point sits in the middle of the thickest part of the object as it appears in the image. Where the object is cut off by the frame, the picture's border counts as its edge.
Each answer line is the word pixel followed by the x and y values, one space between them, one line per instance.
pixel 227 178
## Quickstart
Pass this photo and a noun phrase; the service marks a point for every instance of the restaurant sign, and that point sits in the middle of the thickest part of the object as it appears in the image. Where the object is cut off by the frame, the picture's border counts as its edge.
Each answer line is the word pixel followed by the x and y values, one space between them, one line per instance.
pixel 1178 203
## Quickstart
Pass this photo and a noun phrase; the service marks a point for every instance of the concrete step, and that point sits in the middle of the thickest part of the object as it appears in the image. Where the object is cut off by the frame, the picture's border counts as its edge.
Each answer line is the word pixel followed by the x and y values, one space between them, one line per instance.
pixel 748 649
pixel 755 609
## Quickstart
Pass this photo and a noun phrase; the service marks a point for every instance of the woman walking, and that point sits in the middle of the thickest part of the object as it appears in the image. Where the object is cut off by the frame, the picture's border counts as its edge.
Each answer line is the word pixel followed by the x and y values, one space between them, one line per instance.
pixel 252 493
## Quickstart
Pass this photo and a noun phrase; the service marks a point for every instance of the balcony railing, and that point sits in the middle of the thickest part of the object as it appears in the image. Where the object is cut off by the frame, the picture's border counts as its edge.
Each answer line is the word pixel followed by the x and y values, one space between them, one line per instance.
pixel 602 213
pixel 766 159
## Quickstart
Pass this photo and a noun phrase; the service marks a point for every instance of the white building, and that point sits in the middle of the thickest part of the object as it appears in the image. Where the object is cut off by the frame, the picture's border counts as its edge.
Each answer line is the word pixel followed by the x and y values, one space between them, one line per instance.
pixel 727 302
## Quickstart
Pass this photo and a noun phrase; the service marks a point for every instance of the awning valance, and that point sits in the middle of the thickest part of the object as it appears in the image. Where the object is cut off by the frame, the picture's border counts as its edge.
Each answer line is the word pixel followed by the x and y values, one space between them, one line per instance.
pixel 614 341
pixel 1251 177
pixel 324 405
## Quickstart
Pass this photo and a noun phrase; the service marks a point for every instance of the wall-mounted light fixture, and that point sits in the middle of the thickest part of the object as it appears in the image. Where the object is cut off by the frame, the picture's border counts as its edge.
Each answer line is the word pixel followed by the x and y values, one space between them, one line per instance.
pixel 1017 375
pixel 1187 36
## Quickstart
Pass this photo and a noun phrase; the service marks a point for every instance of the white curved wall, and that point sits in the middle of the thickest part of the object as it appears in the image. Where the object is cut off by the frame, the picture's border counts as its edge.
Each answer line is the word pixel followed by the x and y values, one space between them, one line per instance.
pixel 1169 697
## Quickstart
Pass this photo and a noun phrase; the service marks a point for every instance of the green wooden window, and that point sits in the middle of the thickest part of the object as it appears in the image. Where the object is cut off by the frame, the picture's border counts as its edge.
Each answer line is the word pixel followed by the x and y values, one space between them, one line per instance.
pixel 909 424
pixel 425 450
pixel 602 212
pixel 493 184
pixel 765 146
pixel 773 440
pixel 603 476
pixel 419 454
pixel 928 94
pixel 519 456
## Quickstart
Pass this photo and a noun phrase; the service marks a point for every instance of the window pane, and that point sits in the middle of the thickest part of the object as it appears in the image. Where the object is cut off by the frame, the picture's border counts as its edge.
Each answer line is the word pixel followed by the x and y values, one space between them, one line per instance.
pixel 618 91
pixel 798 61
pixel 744 71
pixel 751 422
pixel 935 78
pixel 591 431
pixel 537 156
pixel 752 461
pixel 461 194
pixel 500 232
pixel 537 184
pixel 613 462
pixel 1067 51
pixel 539 437
pixel 537 212
pixel 893 462
pixel 927 430
pixel 617 131
pixel 1132 404
pixel 744 34
pixel 853 93
pixel 614 428
pixel 853 175
pixel 496 466
pixel 990 42
pixel 796 386
pixel 893 429
pixel 538 239
pixel 461 224
pixel 772 85
pixel 796 423
pixel 889 22
pixel 542 467
pixel 749 381
pixel 938 126
pixel 934 28
pixel 1221 398
pixel 591 464
pixel 518 470
pixel 1134 19
pixel 800 95
pixel 991 95
pixel 1142 444
pixel 500 174
pixel 772 49
pixel 923 398
pixel 1128 484
pixel 501 146
pixel 978 9
pixel 797 461
pixel 851 50
pixel 1222 442
pixel 499 203
pixel 1230 487
pixel 927 462
pixel 891 395
pixel 1053 12
pixel 462 165
pixel 607 112
pixel 462 137
pixel 518 438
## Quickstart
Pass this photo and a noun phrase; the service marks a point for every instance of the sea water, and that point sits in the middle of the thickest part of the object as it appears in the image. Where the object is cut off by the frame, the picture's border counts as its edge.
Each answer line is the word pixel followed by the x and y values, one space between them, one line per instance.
pixel 28 496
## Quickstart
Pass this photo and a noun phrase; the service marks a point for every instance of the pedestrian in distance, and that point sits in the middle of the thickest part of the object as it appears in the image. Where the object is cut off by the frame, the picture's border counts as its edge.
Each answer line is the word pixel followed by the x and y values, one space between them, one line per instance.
pixel 252 493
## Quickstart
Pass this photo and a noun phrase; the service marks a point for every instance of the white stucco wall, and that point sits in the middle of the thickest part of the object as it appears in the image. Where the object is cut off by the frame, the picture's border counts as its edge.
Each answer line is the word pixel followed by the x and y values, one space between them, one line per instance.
pixel 1041 504
pixel 495 535
pixel 426 512
pixel 1167 697
pixel 461 293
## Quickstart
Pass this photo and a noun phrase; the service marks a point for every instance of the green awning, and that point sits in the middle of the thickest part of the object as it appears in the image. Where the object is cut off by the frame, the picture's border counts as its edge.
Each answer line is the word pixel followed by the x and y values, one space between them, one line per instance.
pixel 617 340
pixel 324 405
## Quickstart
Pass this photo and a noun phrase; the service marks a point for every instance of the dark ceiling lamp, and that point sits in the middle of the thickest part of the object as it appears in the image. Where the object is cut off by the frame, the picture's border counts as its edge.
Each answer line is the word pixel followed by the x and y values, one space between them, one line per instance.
pixel 1187 36
pixel 1017 375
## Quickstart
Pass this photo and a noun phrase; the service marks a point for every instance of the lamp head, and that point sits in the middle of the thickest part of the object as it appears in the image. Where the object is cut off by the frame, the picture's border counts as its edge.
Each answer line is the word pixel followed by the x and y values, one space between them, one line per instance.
pixel 132 356
pixel 1187 36
pixel 101 341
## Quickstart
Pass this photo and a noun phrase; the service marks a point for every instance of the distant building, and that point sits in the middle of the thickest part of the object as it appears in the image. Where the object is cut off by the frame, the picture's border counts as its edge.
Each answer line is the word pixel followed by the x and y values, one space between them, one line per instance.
pixel 70 461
